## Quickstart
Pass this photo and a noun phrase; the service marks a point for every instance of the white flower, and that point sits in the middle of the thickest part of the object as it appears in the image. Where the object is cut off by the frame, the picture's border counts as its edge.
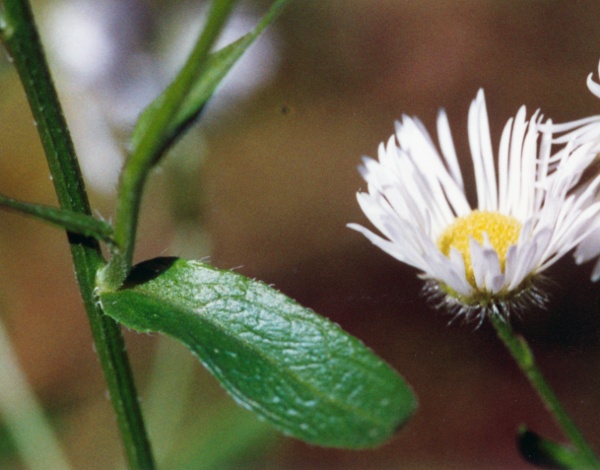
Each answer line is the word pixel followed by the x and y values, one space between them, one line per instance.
pixel 486 259
pixel 584 132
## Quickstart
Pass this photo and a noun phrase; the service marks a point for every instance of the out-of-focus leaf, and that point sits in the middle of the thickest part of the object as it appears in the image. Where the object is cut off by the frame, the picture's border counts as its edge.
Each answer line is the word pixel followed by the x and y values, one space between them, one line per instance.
pixel 546 453
pixel 201 443
pixel 216 67
pixel 291 366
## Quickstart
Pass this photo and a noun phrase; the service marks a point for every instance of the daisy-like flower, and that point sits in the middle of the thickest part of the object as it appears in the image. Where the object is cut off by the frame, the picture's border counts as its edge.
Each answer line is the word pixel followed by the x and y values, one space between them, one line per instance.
pixel 487 259
pixel 584 132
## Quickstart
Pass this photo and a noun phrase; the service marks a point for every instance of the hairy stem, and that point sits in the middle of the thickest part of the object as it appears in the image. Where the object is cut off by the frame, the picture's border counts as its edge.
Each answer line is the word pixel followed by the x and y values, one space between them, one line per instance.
pixel 19 34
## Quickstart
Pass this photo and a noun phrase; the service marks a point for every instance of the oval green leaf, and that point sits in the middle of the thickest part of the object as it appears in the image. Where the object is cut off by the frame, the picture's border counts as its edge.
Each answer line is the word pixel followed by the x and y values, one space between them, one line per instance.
pixel 292 367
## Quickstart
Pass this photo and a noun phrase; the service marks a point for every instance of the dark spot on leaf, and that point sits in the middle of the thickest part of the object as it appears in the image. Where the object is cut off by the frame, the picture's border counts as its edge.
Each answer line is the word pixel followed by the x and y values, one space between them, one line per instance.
pixel 148 270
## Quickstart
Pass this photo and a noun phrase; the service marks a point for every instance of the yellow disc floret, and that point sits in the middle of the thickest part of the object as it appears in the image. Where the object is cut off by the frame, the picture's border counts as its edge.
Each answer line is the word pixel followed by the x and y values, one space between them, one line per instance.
pixel 502 230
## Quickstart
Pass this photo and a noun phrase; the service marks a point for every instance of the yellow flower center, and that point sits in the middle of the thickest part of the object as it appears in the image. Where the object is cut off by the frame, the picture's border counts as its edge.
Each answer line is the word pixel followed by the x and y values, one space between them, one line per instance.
pixel 502 230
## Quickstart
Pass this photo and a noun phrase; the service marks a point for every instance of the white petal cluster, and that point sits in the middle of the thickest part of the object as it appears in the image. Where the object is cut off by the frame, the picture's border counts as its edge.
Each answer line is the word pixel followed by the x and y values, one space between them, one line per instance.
pixel 416 190
pixel 580 131
pixel 584 132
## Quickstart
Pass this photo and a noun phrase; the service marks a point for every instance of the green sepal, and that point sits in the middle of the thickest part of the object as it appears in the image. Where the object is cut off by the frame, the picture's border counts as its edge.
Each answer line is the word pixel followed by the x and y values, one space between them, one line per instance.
pixel 292 367
pixel 74 222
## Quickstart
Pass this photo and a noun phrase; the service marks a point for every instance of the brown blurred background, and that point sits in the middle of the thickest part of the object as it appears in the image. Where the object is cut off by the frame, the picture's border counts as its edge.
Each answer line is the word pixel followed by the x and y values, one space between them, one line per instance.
pixel 265 183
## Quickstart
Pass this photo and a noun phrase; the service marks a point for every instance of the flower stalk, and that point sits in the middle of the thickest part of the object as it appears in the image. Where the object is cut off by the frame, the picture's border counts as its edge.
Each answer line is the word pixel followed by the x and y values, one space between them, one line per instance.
pixel 522 354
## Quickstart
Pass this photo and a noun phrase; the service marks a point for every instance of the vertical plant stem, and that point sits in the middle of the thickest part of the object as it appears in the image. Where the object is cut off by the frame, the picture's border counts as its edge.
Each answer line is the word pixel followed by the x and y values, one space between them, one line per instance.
pixel 19 34
pixel 522 354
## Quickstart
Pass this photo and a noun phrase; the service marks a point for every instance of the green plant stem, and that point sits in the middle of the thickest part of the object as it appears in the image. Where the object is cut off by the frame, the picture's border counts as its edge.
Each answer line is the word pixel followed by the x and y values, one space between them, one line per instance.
pixel 149 148
pixel 20 37
pixel 522 354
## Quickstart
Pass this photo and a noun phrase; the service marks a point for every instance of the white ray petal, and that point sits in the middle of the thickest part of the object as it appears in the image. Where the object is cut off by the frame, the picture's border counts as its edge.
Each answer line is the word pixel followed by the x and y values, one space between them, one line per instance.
pixel 589 248
pixel 448 150
pixel 593 86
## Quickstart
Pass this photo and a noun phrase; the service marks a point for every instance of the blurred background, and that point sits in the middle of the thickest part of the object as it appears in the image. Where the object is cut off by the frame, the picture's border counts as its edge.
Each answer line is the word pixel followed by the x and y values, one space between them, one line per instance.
pixel 264 184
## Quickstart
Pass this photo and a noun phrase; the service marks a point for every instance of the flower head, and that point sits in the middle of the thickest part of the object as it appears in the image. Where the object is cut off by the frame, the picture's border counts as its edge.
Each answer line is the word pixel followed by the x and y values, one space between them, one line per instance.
pixel 484 259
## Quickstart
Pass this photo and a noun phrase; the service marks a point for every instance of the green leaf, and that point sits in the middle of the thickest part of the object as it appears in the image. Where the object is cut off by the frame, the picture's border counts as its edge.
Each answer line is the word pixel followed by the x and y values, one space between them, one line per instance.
pixel 214 70
pixel 546 453
pixel 292 367
pixel 74 222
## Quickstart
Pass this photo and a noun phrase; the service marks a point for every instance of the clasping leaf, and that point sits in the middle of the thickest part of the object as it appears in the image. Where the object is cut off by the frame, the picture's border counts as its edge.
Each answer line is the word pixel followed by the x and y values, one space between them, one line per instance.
pixel 291 366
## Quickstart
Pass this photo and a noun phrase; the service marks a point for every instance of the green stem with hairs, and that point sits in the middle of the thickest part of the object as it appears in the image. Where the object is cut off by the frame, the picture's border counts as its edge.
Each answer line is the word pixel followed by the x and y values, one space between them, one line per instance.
pixel 19 35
